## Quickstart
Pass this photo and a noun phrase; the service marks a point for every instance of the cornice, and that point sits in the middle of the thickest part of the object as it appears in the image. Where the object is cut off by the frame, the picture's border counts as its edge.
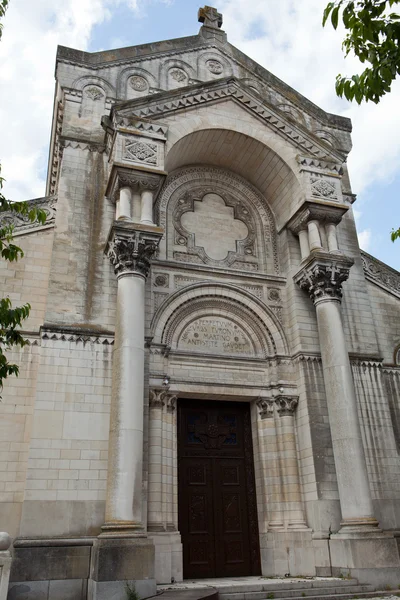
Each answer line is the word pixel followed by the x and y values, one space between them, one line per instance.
pixel 164 103
pixel 198 43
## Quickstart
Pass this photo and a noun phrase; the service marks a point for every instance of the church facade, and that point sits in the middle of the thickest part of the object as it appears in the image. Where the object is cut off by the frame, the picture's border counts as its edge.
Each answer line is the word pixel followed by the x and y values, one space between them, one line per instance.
pixel 212 383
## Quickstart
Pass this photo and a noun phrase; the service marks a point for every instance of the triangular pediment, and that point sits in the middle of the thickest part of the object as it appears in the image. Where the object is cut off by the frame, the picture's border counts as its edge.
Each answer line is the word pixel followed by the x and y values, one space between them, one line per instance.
pixel 164 104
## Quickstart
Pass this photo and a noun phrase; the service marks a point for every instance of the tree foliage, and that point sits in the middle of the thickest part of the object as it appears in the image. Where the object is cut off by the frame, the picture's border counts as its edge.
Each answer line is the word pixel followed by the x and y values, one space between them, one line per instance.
pixel 11 318
pixel 373 34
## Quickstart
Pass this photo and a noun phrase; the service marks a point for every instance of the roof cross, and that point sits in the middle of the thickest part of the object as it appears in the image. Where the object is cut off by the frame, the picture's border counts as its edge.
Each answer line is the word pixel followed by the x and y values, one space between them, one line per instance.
pixel 210 17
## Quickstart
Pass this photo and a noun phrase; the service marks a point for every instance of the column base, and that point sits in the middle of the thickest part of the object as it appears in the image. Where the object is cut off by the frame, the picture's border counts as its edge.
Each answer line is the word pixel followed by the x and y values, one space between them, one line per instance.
pixel 371 557
pixel 359 526
pixel 118 562
pixel 122 529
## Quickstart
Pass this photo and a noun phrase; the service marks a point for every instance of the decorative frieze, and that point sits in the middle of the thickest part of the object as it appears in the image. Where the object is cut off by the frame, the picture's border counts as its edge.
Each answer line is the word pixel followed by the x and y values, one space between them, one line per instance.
pixel 322 276
pixel 381 274
pixel 140 151
pixel 22 223
pixel 322 188
pixel 131 248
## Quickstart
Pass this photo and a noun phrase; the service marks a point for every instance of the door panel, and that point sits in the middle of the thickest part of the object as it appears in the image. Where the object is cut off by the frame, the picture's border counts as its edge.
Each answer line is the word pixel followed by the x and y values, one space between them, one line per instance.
pixel 216 490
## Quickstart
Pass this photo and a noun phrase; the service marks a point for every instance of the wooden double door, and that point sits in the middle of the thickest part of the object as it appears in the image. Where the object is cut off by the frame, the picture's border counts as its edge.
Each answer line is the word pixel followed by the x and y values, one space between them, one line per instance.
pixel 217 501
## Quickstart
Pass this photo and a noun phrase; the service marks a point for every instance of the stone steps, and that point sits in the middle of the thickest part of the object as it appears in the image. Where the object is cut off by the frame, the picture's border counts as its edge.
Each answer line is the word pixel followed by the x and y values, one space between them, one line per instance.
pixel 298 594
pixel 293 591
pixel 267 589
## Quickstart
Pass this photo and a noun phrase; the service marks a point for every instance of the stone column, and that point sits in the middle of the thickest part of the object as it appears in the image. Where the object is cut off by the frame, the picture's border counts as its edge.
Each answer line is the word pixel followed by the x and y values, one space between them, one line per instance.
pixel 155 521
pixel 130 249
pixel 270 464
pixel 304 245
pixel 123 208
pixel 322 277
pixel 286 406
pixel 147 207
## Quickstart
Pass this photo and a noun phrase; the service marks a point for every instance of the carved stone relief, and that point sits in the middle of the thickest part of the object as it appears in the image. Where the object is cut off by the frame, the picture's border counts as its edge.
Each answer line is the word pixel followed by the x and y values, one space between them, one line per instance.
pixel 216 335
pixel 94 93
pixel 138 83
pixel 214 66
pixel 322 188
pixel 161 280
pixel 140 151
pixel 256 252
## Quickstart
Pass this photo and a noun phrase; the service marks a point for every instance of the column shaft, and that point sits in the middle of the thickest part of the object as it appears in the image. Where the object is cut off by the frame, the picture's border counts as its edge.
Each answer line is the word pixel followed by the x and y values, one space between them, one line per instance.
pixel 332 238
pixel 314 237
pixel 351 469
pixel 124 208
pixel 124 483
pixel 304 245
pixel 155 495
pixel 147 207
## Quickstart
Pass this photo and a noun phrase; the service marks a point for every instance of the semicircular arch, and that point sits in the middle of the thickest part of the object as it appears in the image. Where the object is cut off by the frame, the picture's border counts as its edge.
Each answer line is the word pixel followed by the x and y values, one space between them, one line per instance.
pixel 225 301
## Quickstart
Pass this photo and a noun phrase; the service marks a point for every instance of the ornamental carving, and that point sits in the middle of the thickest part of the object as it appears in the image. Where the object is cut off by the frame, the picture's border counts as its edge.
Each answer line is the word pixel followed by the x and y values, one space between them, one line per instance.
pixel 94 93
pixel 160 397
pixel 132 254
pixel 23 223
pixel 143 152
pixel 161 280
pixel 178 74
pixel 381 274
pixel 214 66
pixel 321 188
pixel 322 277
pixel 257 252
pixel 138 83
pixel 266 407
pixel 286 405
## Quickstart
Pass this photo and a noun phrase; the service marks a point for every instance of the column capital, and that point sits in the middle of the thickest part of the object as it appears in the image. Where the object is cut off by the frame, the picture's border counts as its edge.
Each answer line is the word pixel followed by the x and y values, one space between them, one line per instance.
pixel 266 407
pixel 136 179
pixel 323 212
pixel 323 275
pixel 131 246
pixel 286 405
pixel 160 397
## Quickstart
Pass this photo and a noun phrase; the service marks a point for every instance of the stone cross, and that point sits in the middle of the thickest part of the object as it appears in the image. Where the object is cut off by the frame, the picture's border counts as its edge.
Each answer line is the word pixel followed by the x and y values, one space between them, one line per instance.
pixel 210 17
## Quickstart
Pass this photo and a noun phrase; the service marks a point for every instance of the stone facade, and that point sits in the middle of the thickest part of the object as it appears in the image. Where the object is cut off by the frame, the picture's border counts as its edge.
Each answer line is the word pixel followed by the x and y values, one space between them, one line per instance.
pixel 200 243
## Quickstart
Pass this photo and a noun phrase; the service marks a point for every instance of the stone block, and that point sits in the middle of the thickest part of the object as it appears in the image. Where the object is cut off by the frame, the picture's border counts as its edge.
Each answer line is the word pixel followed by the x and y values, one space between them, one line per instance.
pixel 116 590
pixel 29 590
pixel 40 563
pixel 129 559
pixel 371 558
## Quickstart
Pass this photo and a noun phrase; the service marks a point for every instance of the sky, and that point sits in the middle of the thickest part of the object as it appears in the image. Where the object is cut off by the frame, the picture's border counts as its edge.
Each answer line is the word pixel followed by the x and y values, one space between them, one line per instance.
pixel 284 36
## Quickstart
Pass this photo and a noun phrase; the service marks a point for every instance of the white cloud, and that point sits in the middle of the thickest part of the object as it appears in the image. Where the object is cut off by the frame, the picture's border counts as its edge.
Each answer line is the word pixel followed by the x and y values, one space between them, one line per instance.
pixel 287 38
pixel 364 239
pixel 32 31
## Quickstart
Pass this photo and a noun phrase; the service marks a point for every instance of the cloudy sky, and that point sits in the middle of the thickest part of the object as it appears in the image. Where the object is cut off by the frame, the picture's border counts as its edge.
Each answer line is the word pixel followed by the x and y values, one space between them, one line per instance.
pixel 285 36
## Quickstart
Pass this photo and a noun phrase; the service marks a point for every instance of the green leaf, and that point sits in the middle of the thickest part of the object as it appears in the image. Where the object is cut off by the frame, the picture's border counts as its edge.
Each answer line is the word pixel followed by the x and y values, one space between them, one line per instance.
pixel 335 17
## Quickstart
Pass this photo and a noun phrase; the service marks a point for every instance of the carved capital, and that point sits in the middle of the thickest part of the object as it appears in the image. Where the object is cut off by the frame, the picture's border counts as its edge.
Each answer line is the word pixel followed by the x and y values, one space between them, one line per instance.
pixel 160 397
pixel 322 276
pixel 266 407
pixel 135 179
pixel 286 405
pixel 315 211
pixel 131 247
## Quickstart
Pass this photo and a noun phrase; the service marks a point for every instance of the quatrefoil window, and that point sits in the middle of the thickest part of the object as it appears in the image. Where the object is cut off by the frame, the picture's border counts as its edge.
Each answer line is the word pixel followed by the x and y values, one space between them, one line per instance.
pixel 214 226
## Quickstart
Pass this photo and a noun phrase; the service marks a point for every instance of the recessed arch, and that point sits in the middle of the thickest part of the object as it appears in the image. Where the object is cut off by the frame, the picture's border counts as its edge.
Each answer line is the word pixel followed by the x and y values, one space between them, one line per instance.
pixel 223 300
pixel 268 164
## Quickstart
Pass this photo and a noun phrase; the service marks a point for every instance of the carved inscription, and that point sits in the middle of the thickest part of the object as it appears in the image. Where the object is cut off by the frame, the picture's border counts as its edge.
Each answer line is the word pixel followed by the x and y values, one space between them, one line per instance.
pixel 215 335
